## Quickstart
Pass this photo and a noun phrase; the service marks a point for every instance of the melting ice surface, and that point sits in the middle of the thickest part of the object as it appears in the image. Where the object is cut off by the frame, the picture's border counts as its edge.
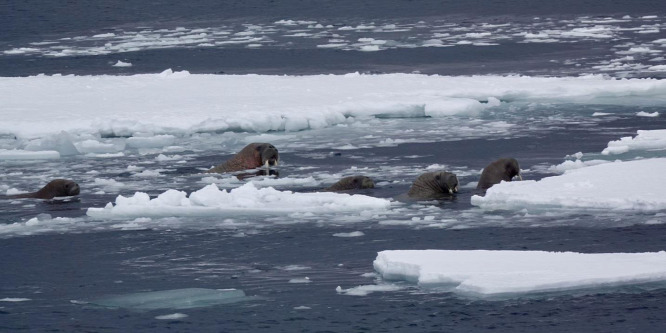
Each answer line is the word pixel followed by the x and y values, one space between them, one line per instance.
pixel 186 298
pixel 482 273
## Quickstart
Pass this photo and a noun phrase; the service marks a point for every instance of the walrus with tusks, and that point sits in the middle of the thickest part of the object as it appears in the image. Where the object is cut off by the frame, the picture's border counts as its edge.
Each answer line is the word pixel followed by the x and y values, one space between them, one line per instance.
pixel 503 169
pixel 434 185
pixel 351 183
pixel 252 156
pixel 55 188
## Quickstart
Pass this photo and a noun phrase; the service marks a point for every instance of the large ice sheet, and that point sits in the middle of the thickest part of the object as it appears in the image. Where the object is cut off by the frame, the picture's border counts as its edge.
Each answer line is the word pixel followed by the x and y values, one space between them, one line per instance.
pixel 247 199
pixel 117 105
pixel 186 298
pixel 487 273
pixel 635 185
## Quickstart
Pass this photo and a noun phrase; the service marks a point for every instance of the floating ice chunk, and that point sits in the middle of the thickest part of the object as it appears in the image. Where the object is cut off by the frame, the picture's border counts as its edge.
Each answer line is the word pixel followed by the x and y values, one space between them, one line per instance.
pixel 157 141
pixel 483 273
pixel 644 140
pixel 173 316
pixel 165 158
pixel 106 35
pixel 301 280
pixel 94 146
pixel 15 154
pixel 14 299
pixel 122 64
pixel 349 234
pixel 369 48
pixel 247 199
pixel 61 142
pixel 367 289
pixel 647 114
pixel 186 298
pixel 636 185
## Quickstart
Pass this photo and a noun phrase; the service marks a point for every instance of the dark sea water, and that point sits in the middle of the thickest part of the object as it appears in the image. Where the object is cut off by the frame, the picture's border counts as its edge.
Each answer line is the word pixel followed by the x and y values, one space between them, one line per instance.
pixel 60 270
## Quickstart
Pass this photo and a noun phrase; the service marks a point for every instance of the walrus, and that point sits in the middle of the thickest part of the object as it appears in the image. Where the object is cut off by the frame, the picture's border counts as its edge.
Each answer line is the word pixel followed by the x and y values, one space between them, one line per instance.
pixel 252 156
pixel 351 183
pixel 55 188
pixel 434 185
pixel 497 171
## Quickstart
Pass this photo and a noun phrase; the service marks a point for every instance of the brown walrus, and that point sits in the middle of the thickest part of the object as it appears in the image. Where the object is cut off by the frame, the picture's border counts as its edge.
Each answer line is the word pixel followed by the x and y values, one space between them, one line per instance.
pixel 252 156
pixel 55 188
pixel 503 169
pixel 351 183
pixel 434 185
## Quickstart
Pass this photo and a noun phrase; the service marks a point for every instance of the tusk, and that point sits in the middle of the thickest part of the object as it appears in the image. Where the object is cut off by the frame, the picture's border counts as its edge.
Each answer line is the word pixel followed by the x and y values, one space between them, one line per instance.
pixel 520 177
pixel 450 191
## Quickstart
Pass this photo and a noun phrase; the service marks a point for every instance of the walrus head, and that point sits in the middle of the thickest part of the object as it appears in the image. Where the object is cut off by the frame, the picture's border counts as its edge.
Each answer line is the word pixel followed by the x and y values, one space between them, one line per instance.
pixel 58 188
pixel 446 181
pixel 511 168
pixel 434 184
pixel 268 154
pixel 352 183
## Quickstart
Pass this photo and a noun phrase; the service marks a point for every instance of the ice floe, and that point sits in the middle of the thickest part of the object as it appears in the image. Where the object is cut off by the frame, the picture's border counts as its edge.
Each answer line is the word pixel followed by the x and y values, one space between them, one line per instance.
pixel 246 199
pixel 269 103
pixel 644 140
pixel 488 274
pixel 186 298
pixel 633 185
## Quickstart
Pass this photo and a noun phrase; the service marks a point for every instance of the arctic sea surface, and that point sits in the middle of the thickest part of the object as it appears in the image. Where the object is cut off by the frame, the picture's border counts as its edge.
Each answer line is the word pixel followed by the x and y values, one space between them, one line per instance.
pixel 135 101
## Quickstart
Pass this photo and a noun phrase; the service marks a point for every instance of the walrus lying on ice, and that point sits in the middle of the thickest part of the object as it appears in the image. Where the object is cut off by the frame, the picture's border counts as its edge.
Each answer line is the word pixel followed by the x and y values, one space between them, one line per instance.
pixel 252 156
pixel 55 188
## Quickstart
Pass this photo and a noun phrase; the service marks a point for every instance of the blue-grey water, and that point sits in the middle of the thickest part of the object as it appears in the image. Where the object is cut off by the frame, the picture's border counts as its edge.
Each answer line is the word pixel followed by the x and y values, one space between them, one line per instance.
pixel 58 266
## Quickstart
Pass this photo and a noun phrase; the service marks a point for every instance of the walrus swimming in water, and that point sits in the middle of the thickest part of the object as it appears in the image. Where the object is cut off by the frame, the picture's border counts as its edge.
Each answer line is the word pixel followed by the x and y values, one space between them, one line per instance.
pixel 252 156
pixel 55 188
pixel 351 183
pixel 504 169
pixel 434 185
